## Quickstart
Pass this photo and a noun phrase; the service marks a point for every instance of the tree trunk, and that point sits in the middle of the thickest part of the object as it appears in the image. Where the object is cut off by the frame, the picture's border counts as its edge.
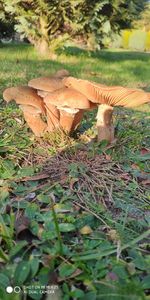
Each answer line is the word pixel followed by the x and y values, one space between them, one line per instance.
pixel 104 123
pixel 42 47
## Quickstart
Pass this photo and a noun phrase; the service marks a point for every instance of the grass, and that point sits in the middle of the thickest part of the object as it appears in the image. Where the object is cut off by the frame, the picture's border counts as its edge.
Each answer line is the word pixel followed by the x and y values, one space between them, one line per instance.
pixel 75 214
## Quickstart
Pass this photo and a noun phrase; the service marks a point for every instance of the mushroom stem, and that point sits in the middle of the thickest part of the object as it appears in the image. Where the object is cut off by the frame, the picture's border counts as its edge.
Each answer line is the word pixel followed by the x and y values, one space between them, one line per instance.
pixel 69 118
pixel 53 116
pixel 34 120
pixel 66 120
pixel 77 119
pixel 104 123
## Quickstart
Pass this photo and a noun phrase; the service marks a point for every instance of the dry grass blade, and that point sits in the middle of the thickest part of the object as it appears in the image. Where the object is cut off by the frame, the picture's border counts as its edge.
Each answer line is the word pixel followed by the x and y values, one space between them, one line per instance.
pixel 94 181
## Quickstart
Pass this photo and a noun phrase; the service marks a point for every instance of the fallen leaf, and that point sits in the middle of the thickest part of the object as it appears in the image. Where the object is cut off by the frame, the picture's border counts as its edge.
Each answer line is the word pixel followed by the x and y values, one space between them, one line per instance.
pixel 30 196
pixel 108 157
pixel 125 176
pixel 72 182
pixel 41 229
pixel 146 182
pixel 86 230
pixel 135 166
pixel 60 209
pixel 131 268
pixel 4 192
pixel 144 151
pixel 143 176
pixel 113 235
pixel 18 120
pixel 74 274
pixel 63 179
pixel 46 259
pixel 112 276
pixel 21 224
pixel 34 178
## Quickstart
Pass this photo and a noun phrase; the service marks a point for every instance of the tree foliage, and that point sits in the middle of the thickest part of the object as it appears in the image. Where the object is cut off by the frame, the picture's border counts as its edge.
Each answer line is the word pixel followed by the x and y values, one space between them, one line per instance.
pixel 47 24
pixel 6 24
pixel 144 21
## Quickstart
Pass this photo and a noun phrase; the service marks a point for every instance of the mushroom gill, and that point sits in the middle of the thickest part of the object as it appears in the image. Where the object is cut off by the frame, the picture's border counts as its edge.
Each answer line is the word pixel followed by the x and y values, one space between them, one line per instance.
pixel 107 97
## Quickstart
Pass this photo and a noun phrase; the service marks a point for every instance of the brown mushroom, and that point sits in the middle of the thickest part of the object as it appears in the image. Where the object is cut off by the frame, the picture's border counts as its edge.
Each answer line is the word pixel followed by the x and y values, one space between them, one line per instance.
pixel 107 97
pixel 49 84
pixel 31 104
pixel 46 84
pixel 34 120
pixel 71 105
pixel 24 95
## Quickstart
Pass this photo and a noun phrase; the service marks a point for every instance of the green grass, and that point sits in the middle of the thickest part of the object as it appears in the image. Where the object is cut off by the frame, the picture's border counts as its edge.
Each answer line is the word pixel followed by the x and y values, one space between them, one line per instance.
pixel 43 220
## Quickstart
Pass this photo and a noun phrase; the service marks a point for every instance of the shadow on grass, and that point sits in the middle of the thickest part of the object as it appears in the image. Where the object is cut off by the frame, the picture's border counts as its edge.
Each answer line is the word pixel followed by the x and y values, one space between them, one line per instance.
pixel 105 54
pixel 20 63
pixel 111 70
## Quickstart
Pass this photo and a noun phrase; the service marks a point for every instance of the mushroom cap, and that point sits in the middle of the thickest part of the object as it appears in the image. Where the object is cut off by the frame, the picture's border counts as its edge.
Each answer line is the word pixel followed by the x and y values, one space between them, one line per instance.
pixel 42 94
pixel 24 95
pixel 113 95
pixel 30 109
pixel 92 105
pixel 48 84
pixel 68 97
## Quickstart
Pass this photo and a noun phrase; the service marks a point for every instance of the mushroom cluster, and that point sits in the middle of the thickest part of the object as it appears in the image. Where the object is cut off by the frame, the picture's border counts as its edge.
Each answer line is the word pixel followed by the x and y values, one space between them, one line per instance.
pixel 59 101
pixel 48 98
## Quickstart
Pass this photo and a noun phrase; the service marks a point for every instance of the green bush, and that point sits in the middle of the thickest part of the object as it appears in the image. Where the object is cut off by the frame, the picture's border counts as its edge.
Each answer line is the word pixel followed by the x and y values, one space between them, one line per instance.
pixel 132 39
pixel 116 41
pixel 137 40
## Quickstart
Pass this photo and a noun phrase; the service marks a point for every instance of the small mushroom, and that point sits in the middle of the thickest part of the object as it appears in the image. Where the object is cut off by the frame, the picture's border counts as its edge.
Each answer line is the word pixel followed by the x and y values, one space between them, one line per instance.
pixel 31 104
pixel 24 95
pixel 33 119
pixel 107 97
pixel 71 105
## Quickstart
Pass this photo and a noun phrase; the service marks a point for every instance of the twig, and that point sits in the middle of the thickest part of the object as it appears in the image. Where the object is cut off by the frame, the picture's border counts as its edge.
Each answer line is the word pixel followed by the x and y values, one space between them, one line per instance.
pixel 94 214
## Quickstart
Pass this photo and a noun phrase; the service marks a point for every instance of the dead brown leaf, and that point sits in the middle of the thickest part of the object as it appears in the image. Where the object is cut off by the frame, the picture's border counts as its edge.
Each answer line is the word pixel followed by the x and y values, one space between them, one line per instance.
pixel 74 274
pixel 21 224
pixel 146 182
pixel 34 178
pixel 144 151
pixel 135 166
pixel 112 276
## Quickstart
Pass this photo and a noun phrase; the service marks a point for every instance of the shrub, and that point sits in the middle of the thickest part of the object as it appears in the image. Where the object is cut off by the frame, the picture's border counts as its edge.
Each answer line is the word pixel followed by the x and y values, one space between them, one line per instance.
pixel 137 40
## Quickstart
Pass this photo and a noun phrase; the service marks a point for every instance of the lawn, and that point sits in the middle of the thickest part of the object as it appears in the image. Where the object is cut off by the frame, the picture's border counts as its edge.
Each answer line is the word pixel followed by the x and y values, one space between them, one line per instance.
pixel 75 216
